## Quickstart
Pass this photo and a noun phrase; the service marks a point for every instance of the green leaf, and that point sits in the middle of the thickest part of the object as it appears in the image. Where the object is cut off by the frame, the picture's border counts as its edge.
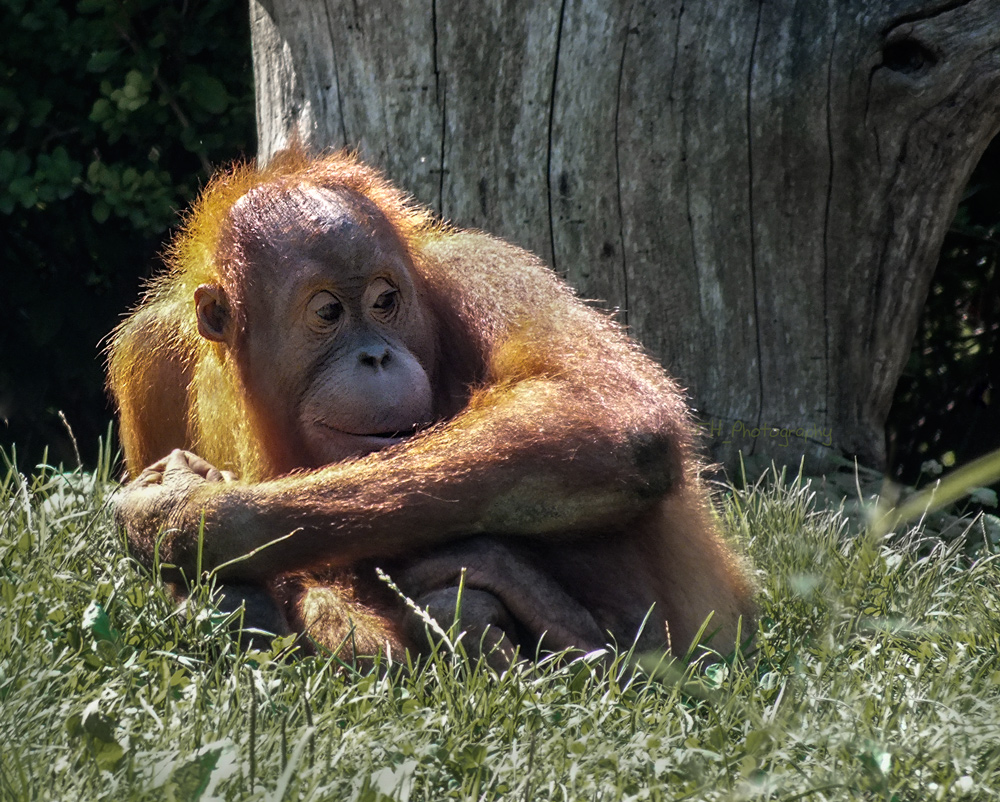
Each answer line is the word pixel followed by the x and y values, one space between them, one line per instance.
pixel 109 755
pixel 100 210
pixel 97 724
pixel 984 496
pixel 23 189
pixel 96 620
pixel 209 93
pixel 101 60
pixel 101 111
pixel 13 165
pixel 192 778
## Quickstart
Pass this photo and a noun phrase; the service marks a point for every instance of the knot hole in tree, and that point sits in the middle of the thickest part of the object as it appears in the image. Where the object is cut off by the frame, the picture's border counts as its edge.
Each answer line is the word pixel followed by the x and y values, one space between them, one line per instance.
pixel 908 56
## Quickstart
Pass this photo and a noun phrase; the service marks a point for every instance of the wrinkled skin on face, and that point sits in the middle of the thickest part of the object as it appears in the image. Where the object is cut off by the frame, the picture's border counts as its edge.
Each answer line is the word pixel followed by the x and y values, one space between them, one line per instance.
pixel 335 343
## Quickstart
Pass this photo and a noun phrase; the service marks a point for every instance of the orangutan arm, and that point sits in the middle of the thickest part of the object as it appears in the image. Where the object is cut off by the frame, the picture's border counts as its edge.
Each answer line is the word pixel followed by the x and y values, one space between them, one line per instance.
pixel 528 459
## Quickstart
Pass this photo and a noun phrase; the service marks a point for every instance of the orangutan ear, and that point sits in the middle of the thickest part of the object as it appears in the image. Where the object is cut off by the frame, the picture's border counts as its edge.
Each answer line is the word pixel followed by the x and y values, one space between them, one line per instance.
pixel 214 316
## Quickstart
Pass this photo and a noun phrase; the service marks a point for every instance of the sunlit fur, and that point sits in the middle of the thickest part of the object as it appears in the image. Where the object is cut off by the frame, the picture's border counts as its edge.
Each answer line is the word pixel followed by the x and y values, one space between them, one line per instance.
pixel 554 433
pixel 159 346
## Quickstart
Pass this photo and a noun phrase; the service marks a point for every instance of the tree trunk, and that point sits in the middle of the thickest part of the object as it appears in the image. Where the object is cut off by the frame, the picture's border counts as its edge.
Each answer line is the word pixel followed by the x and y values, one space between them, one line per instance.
pixel 760 188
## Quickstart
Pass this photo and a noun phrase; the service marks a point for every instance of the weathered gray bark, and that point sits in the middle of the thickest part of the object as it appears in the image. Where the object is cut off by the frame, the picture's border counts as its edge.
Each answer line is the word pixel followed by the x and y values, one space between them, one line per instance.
pixel 761 188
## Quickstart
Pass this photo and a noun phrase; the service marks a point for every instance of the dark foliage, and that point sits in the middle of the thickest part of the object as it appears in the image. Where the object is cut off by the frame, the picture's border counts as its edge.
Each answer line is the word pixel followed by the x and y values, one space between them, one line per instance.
pixel 947 405
pixel 112 113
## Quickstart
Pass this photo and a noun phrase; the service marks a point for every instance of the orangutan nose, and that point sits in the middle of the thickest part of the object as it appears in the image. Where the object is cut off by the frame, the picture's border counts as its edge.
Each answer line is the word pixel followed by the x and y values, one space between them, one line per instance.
pixel 374 358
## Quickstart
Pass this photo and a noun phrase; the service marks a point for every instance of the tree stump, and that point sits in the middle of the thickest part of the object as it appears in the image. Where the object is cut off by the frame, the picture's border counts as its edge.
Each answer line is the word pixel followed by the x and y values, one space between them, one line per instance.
pixel 760 189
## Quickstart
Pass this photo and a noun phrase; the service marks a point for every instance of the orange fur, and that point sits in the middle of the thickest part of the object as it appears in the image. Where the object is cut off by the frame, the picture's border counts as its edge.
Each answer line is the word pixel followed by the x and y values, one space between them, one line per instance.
pixel 158 348
pixel 553 436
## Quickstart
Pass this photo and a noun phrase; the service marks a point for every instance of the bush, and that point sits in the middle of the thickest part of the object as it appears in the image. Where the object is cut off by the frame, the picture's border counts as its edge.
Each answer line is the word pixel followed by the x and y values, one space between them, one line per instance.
pixel 113 113
pixel 945 411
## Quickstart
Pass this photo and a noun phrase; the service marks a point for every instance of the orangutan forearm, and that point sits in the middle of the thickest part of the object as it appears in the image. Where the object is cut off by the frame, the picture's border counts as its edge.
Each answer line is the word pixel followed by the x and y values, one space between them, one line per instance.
pixel 428 491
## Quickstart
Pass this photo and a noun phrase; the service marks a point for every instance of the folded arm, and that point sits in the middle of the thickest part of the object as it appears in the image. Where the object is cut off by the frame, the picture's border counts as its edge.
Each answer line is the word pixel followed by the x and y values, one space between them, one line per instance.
pixel 525 461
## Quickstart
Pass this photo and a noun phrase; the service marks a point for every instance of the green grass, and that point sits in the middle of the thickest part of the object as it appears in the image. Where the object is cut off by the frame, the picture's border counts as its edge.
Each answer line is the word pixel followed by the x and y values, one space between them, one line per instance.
pixel 877 677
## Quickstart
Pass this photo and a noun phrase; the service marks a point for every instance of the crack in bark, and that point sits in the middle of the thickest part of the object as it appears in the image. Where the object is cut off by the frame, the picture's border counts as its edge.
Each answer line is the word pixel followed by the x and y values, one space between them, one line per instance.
pixel 868 106
pixel 441 98
pixel 684 161
pixel 923 16
pixel 753 243
pixel 434 50
pixel 826 227
pixel 336 76
pixel 444 138
pixel 552 115
pixel 677 52
pixel 618 168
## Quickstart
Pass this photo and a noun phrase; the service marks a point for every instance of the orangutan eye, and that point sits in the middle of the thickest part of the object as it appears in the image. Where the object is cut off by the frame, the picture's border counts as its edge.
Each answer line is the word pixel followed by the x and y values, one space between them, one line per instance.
pixel 330 312
pixel 326 307
pixel 387 301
